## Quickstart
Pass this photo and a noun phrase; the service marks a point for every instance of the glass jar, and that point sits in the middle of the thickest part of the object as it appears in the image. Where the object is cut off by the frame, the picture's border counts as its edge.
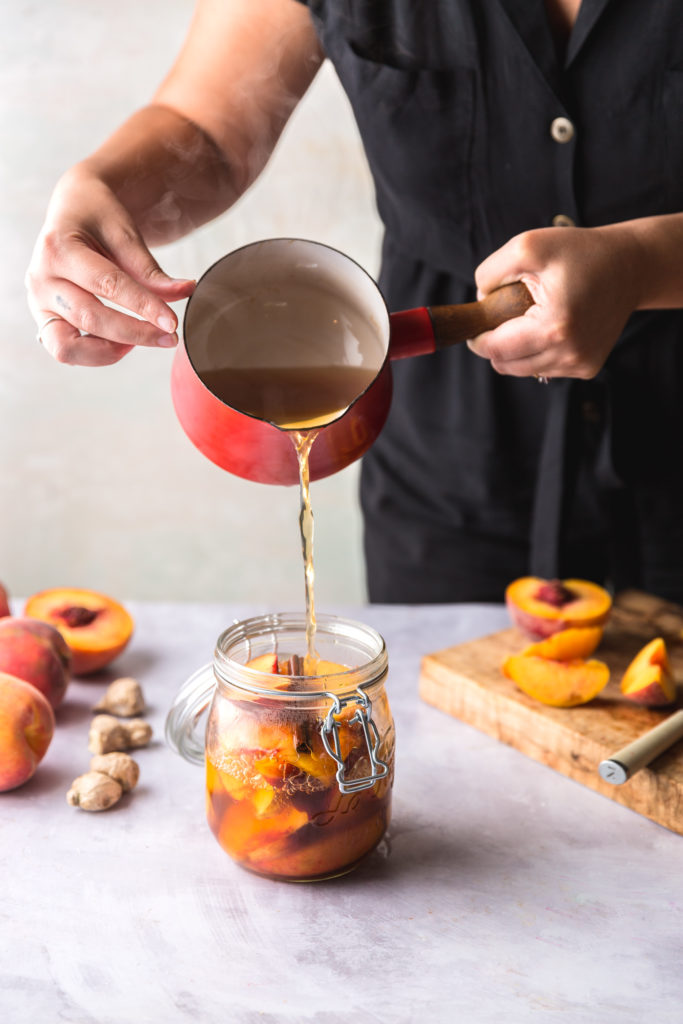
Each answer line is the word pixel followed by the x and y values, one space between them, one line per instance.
pixel 299 767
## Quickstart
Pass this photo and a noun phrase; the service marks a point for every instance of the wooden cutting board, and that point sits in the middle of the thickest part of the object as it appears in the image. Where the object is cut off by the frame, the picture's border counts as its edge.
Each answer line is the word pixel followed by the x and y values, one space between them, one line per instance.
pixel 466 682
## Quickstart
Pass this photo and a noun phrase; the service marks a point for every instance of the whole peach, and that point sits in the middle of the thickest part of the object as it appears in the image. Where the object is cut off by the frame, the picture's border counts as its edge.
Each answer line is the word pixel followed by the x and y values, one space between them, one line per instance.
pixel 27 725
pixel 47 632
pixel 33 658
pixel 4 602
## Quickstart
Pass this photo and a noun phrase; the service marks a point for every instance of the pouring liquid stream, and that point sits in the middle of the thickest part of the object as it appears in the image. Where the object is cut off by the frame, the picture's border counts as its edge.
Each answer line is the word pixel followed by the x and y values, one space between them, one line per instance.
pixel 303 442
pixel 300 401
pixel 310 398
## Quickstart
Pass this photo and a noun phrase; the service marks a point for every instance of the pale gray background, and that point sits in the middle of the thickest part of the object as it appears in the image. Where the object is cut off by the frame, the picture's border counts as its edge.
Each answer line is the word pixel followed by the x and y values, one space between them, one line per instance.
pixel 98 485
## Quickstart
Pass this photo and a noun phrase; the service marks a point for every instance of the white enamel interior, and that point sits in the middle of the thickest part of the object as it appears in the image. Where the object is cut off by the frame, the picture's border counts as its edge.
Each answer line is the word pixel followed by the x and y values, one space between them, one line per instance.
pixel 286 303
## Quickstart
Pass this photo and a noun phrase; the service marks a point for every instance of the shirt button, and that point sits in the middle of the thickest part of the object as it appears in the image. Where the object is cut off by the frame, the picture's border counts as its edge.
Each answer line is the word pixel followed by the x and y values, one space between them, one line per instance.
pixel 561 129
pixel 561 220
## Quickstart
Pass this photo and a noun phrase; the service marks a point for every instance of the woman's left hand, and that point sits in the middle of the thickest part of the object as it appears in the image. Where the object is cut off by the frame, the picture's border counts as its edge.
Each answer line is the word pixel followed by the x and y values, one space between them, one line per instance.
pixel 584 283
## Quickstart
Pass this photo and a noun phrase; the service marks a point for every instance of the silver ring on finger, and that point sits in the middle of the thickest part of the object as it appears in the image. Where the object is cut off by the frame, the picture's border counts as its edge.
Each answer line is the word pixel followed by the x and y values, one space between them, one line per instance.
pixel 42 327
pixel 540 378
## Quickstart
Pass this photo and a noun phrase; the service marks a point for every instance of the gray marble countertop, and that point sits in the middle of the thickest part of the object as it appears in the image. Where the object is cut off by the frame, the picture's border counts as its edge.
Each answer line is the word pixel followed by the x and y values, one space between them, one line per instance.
pixel 504 891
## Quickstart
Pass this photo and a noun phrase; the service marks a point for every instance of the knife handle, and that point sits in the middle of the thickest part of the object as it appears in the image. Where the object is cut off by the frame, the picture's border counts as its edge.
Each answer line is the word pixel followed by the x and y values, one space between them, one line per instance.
pixel 631 758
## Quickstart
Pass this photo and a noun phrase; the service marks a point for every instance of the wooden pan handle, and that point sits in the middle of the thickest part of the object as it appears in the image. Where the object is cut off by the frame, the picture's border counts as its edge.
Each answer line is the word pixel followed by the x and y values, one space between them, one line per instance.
pixel 453 324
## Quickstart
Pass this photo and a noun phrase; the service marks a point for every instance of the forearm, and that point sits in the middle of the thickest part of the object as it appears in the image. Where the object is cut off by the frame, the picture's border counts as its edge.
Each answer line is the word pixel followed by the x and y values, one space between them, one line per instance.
pixel 216 117
pixel 649 251
pixel 167 171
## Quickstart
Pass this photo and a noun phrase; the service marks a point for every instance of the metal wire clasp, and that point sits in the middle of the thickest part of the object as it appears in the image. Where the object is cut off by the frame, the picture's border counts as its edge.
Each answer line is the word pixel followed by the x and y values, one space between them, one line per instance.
pixel 330 727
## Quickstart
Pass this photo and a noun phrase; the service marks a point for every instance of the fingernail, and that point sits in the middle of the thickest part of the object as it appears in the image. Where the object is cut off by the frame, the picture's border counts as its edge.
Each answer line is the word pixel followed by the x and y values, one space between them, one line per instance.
pixel 168 341
pixel 166 322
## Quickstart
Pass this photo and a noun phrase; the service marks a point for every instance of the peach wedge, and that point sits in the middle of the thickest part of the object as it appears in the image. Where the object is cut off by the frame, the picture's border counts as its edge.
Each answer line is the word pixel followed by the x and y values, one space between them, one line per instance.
pixel 648 679
pixel 568 644
pixel 562 684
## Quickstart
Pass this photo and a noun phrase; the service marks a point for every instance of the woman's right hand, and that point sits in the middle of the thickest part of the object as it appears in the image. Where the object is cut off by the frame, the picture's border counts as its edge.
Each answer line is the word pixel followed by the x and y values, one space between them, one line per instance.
pixel 173 165
pixel 90 250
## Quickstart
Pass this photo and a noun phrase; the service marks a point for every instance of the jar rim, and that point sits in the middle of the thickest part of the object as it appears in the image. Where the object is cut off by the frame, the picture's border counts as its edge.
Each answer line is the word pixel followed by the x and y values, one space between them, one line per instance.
pixel 245 632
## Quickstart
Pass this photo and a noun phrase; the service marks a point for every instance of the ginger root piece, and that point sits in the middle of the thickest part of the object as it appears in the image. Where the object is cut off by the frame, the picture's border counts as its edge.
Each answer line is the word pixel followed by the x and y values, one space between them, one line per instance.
pixel 94 791
pixel 118 766
pixel 108 734
pixel 123 697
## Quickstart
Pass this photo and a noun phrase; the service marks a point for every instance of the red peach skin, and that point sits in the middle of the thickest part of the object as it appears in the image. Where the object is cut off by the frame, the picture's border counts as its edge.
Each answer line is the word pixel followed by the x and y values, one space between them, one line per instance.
pixel 27 725
pixel 33 658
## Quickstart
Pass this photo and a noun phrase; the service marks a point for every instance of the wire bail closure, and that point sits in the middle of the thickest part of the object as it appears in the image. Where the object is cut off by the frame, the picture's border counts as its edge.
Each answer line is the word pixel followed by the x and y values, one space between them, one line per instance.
pixel 330 728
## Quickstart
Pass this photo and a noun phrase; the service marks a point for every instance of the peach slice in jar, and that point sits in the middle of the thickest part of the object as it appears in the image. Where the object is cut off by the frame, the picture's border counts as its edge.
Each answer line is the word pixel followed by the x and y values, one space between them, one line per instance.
pixel 96 627
pixel 333 848
pixel 273 801
pixel 296 744
pixel 542 607
pixel 561 684
pixel 244 812
pixel 648 679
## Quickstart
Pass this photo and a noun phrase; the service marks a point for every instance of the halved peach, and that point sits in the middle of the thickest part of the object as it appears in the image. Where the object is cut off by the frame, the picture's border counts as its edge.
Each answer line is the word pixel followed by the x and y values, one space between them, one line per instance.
pixel 569 644
pixel 648 679
pixel 542 607
pixel 562 684
pixel 96 627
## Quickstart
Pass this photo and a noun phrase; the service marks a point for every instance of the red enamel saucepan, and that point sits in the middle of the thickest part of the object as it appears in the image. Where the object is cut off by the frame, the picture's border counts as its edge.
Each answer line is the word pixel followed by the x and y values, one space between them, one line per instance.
pixel 294 333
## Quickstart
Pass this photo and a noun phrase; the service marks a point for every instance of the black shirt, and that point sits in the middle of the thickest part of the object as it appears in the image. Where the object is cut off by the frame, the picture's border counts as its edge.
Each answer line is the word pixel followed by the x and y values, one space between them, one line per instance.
pixel 475 130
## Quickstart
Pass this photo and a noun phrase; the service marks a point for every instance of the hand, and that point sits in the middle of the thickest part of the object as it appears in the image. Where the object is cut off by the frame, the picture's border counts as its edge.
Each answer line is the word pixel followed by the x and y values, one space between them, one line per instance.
pixel 584 285
pixel 90 249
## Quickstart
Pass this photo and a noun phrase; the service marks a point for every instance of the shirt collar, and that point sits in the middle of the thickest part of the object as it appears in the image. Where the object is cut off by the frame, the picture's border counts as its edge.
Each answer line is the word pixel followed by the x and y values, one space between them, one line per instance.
pixel 531 23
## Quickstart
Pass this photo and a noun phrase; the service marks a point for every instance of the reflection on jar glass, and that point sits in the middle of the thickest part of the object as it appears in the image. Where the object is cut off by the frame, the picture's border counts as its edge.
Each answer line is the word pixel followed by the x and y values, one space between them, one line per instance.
pixel 299 753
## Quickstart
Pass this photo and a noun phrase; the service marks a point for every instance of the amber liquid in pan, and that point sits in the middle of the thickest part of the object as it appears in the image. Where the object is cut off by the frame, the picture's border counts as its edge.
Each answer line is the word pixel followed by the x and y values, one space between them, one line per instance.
pixel 290 397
